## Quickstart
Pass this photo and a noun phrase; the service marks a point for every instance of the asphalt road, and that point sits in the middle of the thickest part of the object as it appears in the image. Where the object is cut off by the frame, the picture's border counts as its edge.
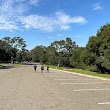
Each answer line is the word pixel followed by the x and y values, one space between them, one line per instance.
pixel 24 89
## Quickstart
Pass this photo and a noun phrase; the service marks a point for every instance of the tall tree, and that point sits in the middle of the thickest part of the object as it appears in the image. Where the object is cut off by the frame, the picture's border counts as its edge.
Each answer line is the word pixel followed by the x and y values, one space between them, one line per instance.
pixel 97 50
pixel 64 49
pixel 5 51
pixel 103 37
pixel 76 57
pixel 37 53
pixel 16 44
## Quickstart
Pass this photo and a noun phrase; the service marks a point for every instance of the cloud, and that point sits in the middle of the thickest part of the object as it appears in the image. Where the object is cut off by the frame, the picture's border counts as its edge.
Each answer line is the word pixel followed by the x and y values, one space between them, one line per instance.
pixel 16 7
pixel 37 22
pixel 97 6
pixel 13 17
pixel 8 24
pixel 34 2
pixel 66 19
pixel 59 21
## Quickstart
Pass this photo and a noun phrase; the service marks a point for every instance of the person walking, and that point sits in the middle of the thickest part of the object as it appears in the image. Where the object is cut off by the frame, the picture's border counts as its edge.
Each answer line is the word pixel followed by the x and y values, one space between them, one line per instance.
pixel 35 66
pixel 42 68
pixel 48 69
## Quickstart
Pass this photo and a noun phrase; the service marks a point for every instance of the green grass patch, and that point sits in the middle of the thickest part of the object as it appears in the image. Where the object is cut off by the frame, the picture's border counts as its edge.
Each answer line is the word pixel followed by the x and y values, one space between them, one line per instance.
pixel 3 64
pixel 90 73
pixel 55 67
pixel 17 65
pixel 82 71
pixel 14 65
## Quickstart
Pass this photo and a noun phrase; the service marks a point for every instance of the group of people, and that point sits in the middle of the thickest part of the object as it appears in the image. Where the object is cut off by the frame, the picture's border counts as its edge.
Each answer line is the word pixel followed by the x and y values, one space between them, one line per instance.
pixel 42 68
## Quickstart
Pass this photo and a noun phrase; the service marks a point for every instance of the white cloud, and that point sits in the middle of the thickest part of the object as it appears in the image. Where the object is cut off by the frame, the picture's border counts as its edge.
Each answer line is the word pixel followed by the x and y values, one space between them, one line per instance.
pixel 58 21
pixel 7 24
pixel 66 19
pixel 97 6
pixel 34 2
pixel 37 22
pixel 8 8
pixel 16 7
pixel 13 17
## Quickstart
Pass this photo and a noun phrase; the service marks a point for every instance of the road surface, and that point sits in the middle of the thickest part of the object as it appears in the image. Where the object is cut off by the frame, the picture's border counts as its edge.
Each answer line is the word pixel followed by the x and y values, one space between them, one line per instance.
pixel 24 89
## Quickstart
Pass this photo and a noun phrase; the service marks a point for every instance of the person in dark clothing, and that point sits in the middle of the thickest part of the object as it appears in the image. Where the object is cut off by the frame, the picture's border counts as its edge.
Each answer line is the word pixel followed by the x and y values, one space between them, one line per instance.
pixel 48 69
pixel 42 68
pixel 35 67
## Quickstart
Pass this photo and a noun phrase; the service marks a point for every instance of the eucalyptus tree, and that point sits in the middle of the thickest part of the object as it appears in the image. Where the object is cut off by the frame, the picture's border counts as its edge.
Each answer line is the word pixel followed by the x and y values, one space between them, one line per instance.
pixel 51 55
pixel 69 47
pixel 23 55
pixel 5 51
pixel 38 54
pixel 59 47
pixel 16 44
pixel 64 49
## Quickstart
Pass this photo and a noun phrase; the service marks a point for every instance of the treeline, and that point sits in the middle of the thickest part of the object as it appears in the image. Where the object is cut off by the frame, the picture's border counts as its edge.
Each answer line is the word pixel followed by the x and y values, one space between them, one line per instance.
pixel 13 49
pixel 95 56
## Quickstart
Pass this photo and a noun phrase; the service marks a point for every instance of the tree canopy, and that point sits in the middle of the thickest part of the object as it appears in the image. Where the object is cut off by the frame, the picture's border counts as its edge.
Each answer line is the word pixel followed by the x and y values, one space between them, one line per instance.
pixel 95 56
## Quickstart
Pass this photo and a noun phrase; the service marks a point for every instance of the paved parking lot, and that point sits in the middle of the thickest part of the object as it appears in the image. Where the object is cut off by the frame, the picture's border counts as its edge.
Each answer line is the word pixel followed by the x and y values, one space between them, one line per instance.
pixel 24 89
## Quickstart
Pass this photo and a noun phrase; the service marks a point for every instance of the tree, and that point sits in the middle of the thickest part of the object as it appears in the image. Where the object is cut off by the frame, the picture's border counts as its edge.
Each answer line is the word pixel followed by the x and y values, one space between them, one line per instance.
pixel 69 47
pixel 64 49
pixel 17 42
pixel 51 55
pixel 5 51
pixel 23 55
pixel 37 53
pixel 13 45
pixel 76 57
pixel 97 51
pixel 103 37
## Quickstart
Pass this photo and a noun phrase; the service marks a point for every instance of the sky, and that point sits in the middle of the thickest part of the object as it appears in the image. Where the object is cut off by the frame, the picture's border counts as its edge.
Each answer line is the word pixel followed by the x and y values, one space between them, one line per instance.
pixel 41 22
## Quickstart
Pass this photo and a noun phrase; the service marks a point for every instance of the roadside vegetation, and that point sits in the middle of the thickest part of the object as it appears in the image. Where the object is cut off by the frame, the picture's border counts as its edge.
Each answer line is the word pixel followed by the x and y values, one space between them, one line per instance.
pixel 80 71
pixel 17 65
pixel 7 65
pixel 2 64
pixel 93 59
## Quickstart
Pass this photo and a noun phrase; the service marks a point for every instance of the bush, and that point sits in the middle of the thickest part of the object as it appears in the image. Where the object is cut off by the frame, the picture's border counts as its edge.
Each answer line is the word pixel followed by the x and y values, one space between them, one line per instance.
pixel 92 68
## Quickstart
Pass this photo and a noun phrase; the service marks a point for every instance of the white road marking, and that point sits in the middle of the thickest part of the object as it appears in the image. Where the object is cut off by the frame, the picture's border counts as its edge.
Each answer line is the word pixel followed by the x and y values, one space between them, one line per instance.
pixel 84 83
pixel 80 90
pixel 104 103
pixel 73 79
pixel 62 76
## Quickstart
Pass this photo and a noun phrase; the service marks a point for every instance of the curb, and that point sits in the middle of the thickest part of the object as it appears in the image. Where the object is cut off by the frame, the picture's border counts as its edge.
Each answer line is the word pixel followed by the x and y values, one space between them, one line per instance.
pixel 90 76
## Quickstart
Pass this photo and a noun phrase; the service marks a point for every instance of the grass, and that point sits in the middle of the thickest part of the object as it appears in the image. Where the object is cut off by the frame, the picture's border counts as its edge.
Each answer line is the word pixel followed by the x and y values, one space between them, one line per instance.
pixel 2 64
pixel 17 65
pixel 14 65
pixel 82 71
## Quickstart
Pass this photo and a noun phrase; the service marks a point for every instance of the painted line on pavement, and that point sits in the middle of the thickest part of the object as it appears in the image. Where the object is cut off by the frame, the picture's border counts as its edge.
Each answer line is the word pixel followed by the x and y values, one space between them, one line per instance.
pixel 73 79
pixel 81 90
pixel 83 83
pixel 104 103
pixel 63 76
pixel 74 73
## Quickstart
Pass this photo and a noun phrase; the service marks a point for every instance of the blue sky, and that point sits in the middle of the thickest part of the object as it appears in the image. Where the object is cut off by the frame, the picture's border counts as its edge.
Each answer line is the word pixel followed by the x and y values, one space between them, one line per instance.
pixel 41 22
